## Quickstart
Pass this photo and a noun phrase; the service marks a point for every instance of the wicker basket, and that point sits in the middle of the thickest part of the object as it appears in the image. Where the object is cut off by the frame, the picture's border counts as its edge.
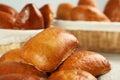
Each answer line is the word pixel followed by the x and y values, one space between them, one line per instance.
pixel 11 39
pixel 98 41
pixel 7 47
pixel 95 36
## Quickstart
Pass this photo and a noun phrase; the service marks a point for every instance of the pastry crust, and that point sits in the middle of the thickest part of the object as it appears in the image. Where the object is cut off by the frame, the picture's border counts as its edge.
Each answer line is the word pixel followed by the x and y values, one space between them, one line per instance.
pixel 48 15
pixel 112 10
pixel 19 68
pixel 8 9
pixel 6 20
pixel 48 49
pixel 29 18
pixel 63 11
pixel 88 3
pixel 19 77
pixel 87 13
pixel 91 62
pixel 12 56
pixel 71 75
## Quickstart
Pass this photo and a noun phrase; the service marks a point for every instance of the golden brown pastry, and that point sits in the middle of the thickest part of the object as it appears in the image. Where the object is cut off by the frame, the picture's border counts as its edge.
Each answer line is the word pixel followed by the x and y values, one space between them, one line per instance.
pixel 19 68
pixel 63 11
pixel 87 13
pixel 112 10
pixel 91 62
pixel 71 75
pixel 48 15
pixel 12 56
pixel 6 20
pixel 8 9
pixel 20 77
pixel 29 18
pixel 48 49
pixel 88 3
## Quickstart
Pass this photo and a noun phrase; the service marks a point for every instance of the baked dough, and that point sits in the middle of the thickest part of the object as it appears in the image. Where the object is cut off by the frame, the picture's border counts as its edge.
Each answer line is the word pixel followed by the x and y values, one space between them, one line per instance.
pixel 12 56
pixel 112 10
pixel 19 68
pixel 48 49
pixel 20 77
pixel 29 18
pixel 88 3
pixel 71 75
pixel 89 61
pixel 48 15
pixel 87 13
pixel 63 11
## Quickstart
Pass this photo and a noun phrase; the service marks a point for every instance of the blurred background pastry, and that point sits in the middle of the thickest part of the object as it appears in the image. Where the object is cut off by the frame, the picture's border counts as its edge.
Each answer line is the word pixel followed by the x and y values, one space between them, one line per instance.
pixel 112 10
pixel 29 18
pixel 86 10
pixel 91 3
pixel 48 14
pixel 63 11
pixel 87 13
pixel 6 20
pixel 8 9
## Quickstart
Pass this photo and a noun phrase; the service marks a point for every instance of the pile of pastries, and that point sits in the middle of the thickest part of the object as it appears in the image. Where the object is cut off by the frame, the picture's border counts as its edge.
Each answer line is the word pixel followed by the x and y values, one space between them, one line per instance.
pixel 87 10
pixel 30 17
pixel 52 54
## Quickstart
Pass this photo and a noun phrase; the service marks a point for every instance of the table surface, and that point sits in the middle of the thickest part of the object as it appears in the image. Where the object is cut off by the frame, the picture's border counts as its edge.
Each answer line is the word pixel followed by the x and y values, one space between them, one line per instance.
pixel 114 60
